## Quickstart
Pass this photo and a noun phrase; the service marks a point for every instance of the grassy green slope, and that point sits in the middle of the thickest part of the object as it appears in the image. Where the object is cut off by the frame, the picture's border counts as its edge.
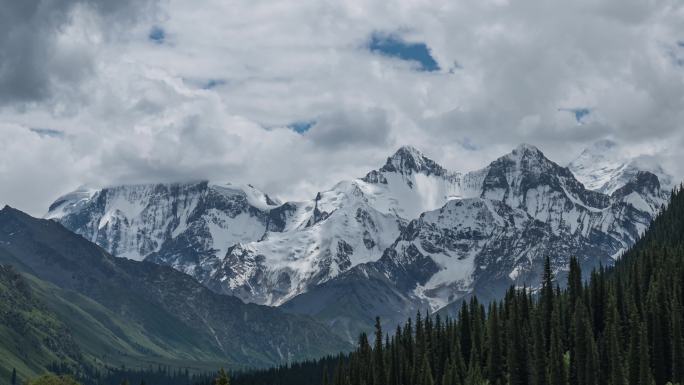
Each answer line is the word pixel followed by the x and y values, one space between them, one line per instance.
pixel 31 336
pixel 104 336
pixel 122 312
pixel 41 324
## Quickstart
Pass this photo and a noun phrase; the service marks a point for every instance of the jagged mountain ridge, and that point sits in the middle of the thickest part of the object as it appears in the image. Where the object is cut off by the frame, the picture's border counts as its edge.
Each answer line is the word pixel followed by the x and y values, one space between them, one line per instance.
pixel 293 247
pixel 528 207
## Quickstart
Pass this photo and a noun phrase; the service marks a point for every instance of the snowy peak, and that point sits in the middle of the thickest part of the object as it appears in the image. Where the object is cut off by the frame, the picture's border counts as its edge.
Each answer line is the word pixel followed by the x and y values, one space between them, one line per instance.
pixel 527 158
pixel 598 165
pixel 526 149
pixel 135 220
pixel 410 183
pixel 406 161
pixel 605 168
pixel 69 202
pixel 526 167
pixel 526 178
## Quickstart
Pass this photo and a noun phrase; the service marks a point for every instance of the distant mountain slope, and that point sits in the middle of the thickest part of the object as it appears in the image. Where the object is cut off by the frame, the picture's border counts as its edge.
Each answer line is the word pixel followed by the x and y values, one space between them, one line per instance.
pixel 158 311
pixel 31 336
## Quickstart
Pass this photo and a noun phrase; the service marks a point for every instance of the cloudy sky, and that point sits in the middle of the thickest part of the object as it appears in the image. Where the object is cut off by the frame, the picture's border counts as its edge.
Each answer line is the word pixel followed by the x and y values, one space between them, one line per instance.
pixel 293 96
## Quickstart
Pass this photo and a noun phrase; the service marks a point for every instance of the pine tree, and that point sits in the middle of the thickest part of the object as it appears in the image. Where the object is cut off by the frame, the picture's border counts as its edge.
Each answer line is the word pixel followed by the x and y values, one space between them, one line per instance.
pixel 365 365
pixel 339 375
pixel 645 374
pixel 464 328
pixel 477 335
pixel 556 364
pixel 222 378
pixel 539 364
pixel 574 283
pixel 425 376
pixel 657 330
pixel 677 344
pixel 379 374
pixel 474 376
pixel 633 356
pixel 517 352
pixel 457 361
pixel 591 368
pixel 495 369
pixel 448 376
pixel 547 302
pixel 326 381
pixel 579 354
pixel 615 373
pixel 13 380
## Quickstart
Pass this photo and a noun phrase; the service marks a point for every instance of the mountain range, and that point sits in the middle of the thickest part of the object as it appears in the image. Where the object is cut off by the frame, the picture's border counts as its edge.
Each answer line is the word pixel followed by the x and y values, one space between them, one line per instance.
pixel 410 235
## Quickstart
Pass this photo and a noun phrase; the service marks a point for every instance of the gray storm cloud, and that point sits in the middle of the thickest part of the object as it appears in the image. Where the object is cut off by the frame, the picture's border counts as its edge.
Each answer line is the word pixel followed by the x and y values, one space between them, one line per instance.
pixel 32 62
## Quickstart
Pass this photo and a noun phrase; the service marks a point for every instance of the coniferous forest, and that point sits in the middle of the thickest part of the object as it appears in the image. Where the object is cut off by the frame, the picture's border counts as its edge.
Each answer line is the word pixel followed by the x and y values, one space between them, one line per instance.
pixel 624 325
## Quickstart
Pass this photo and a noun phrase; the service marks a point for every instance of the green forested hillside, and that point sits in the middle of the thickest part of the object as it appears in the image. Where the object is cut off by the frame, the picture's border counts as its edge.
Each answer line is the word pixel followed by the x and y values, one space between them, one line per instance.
pixel 31 335
pixel 122 312
pixel 42 325
pixel 624 326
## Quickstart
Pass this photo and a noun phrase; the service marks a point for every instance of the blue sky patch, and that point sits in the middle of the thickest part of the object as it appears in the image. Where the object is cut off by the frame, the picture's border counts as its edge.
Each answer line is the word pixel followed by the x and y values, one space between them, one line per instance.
pixel 580 113
pixel 395 47
pixel 49 132
pixel 469 145
pixel 301 127
pixel 213 83
pixel 157 34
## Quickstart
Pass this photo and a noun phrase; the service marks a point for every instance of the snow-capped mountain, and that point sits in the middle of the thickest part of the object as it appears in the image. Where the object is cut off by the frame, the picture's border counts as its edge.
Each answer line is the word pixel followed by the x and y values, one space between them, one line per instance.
pixel 496 235
pixel 529 207
pixel 137 220
pixel 351 224
pixel 337 230
pixel 603 167
pixel 237 240
pixel 414 231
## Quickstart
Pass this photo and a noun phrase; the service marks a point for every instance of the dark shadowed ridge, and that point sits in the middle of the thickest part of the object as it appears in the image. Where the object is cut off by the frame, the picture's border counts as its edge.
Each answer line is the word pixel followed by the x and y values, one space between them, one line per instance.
pixel 171 308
